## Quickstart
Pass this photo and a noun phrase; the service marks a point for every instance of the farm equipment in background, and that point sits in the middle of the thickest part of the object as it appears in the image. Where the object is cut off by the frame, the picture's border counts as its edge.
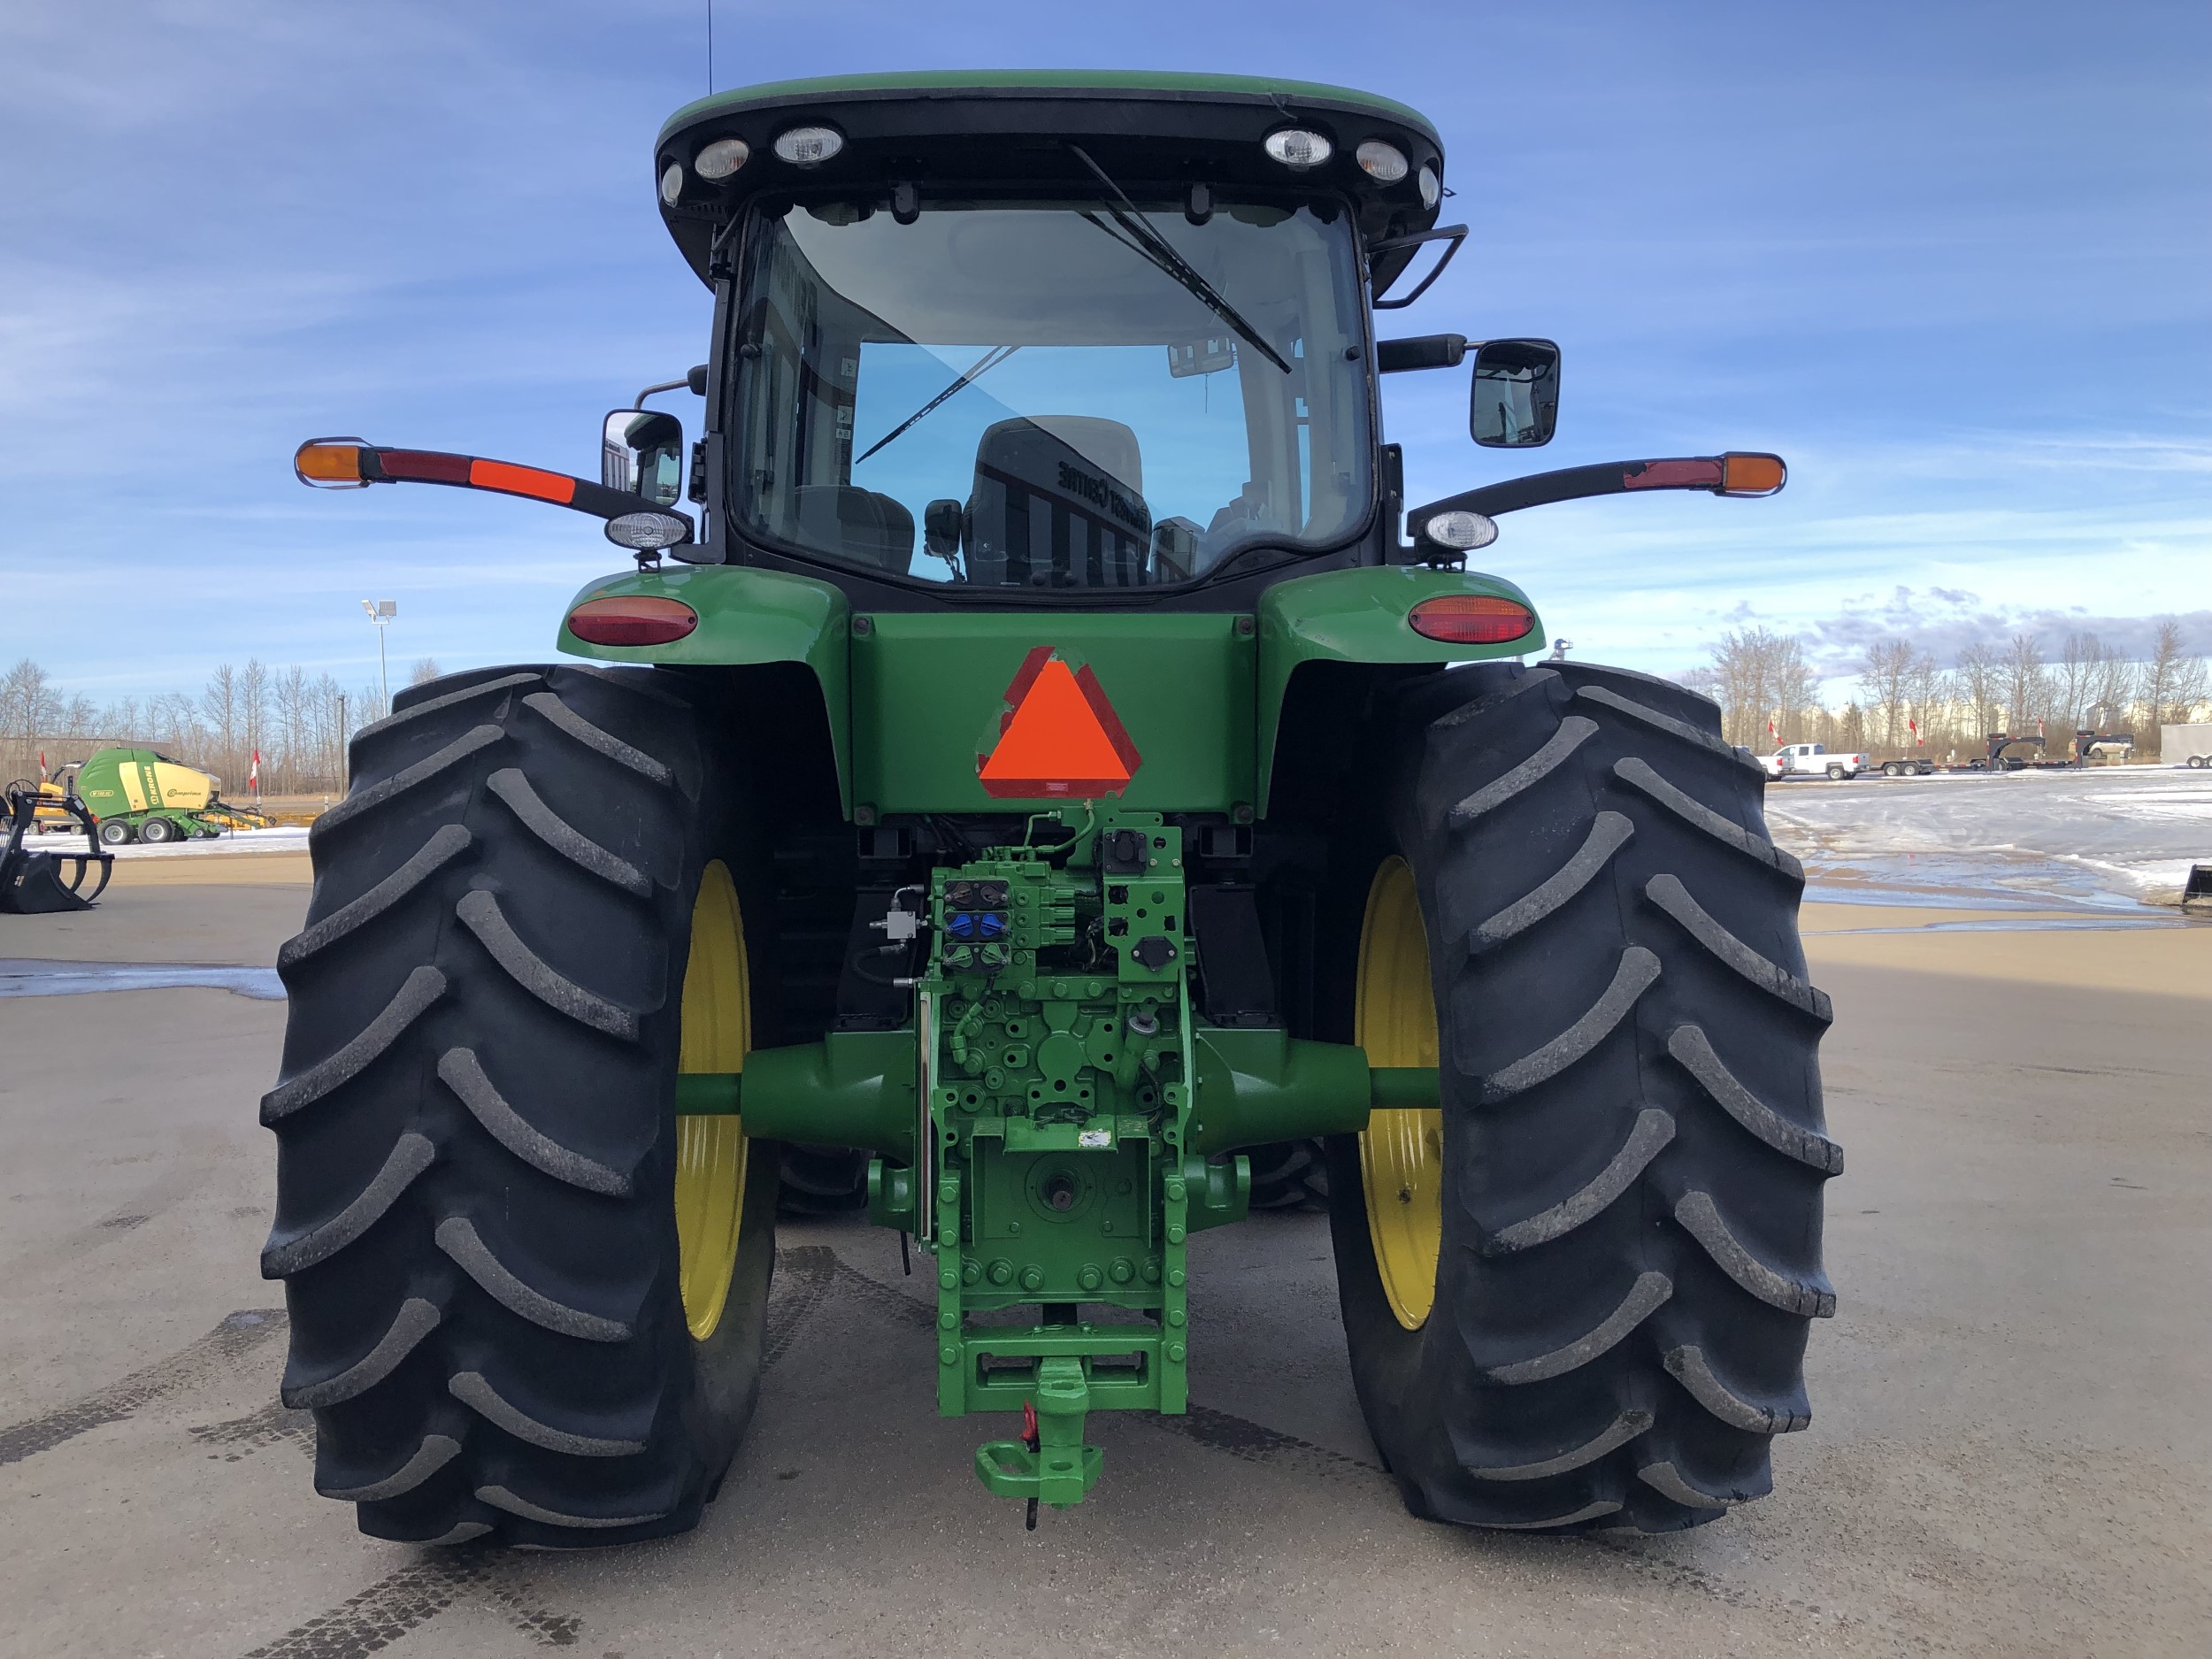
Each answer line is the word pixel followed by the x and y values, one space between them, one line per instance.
pixel 51 809
pixel 1050 787
pixel 2196 892
pixel 31 882
pixel 137 795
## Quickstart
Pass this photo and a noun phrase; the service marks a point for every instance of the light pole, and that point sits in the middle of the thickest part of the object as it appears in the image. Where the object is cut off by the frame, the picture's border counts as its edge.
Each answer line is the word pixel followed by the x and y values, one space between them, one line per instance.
pixel 380 612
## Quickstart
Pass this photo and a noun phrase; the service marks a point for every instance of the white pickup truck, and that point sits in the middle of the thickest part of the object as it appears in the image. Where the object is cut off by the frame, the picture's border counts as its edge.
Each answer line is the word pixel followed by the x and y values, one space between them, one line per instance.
pixel 1811 760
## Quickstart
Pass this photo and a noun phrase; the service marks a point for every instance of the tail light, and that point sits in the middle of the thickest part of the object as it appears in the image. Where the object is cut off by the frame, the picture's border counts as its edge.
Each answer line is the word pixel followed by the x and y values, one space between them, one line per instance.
pixel 1470 619
pixel 633 619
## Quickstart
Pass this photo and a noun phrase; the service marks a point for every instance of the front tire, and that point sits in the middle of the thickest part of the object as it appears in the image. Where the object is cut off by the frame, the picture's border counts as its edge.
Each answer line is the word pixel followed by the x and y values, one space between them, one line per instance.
pixel 527 1301
pixel 116 832
pixel 1578 1295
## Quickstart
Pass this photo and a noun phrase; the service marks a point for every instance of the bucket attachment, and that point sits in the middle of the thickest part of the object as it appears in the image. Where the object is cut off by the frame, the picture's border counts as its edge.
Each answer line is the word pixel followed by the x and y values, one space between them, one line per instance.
pixel 33 883
pixel 2197 895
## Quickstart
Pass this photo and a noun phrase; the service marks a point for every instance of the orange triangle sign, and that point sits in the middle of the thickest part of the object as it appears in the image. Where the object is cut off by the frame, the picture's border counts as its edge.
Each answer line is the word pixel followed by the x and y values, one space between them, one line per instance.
pixel 1062 741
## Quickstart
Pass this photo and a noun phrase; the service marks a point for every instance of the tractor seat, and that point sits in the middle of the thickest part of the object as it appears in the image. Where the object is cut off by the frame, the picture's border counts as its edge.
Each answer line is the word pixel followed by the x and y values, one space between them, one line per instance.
pixel 1058 503
pixel 859 525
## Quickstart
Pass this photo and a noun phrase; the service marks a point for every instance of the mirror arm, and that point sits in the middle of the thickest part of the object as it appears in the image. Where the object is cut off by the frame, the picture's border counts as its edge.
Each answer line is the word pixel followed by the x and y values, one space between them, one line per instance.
pixel 323 463
pixel 1749 474
pixel 1420 351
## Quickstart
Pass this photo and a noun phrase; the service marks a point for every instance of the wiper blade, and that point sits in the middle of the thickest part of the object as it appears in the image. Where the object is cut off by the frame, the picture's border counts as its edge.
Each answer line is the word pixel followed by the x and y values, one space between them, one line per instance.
pixel 982 367
pixel 1148 242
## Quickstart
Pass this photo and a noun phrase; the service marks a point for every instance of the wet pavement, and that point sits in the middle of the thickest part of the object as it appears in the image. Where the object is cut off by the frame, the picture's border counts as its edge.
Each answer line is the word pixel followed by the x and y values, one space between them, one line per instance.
pixel 21 977
pixel 2004 1459
pixel 2104 839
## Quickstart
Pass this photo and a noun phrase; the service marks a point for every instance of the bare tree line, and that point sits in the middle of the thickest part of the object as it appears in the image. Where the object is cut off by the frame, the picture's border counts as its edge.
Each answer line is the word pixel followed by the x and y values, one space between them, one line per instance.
pixel 299 724
pixel 1770 693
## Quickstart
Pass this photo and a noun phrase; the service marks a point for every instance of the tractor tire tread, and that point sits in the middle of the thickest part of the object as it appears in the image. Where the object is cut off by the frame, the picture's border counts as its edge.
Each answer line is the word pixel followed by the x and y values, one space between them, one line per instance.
pixel 1653 1130
pixel 363 803
pixel 290 1253
pixel 1608 832
pixel 423 987
pixel 564 837
pixel 450 842
pixel 415 1320
pixel 1634 1150
pixel 600 741
pixel 460 1071
pixel 489 1329
pixel 458 1238
pixel 481 914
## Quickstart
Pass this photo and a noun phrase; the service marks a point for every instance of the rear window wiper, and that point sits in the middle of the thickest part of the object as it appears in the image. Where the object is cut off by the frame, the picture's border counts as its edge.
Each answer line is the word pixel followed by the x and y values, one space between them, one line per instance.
pixel 1139 238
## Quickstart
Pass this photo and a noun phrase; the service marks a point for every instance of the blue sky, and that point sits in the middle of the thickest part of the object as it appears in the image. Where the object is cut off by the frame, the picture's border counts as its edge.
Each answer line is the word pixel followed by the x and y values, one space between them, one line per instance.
pixel 1951 259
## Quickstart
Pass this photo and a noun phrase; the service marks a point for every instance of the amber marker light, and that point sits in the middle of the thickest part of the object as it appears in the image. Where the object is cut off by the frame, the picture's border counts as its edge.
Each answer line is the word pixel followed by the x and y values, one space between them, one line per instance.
pixel 1470 619
pixel 1743 474
pixel 631 619
pixel 329 463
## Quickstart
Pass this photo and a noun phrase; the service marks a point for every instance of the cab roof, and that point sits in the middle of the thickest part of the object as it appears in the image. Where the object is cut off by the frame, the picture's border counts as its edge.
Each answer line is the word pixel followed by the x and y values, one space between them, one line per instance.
pixel 1151 130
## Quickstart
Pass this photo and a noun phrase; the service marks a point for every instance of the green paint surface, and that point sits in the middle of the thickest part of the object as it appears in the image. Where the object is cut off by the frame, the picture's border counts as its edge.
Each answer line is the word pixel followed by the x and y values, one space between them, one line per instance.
pixel 1136 83
pixel 928 691
pixel 1359 616
pixel 914 698
pixel 746 616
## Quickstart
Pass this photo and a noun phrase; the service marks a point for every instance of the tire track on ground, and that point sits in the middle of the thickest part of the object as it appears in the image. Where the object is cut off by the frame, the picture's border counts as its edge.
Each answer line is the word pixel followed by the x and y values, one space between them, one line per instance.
pixel 400 1602
pixel 403 1601
pixel 238 1335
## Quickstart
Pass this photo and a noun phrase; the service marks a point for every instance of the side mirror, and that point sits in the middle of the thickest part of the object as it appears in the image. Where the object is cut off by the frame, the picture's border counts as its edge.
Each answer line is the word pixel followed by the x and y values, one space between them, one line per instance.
pixel 940 528
pixel 641 453
pixel 1516 400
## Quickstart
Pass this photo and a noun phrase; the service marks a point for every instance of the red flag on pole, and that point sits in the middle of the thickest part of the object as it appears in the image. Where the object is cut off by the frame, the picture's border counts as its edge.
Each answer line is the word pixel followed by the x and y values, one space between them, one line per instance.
pixel 253 776
pixel 1771 732
pixel 41 765
pixel 1913 726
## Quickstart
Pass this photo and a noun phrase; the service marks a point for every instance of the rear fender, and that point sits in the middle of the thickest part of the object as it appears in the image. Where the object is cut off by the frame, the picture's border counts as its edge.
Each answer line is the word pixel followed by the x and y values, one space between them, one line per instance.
pixel 747 618
pixel 1359 616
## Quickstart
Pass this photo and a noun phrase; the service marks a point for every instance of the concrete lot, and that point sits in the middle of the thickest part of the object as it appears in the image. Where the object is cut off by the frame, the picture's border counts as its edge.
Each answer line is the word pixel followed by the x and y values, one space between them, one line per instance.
pixel 2008 1455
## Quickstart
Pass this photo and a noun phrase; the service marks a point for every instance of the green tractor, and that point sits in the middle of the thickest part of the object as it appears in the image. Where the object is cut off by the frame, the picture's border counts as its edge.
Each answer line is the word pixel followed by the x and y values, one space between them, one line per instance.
pixel 1048 789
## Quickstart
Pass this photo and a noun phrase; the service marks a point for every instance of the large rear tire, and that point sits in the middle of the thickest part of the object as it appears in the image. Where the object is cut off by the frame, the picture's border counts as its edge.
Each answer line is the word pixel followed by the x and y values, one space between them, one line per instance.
pixel 1579 1296
pixel 527 1301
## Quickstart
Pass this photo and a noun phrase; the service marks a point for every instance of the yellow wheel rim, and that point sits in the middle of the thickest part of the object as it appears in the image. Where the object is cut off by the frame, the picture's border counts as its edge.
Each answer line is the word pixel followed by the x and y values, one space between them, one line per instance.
pixel 717 1029
pixel 1400 1153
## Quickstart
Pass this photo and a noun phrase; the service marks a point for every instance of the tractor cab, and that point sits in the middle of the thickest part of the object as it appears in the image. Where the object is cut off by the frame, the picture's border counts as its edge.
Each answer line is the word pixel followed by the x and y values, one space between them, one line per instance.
pixel 1128 349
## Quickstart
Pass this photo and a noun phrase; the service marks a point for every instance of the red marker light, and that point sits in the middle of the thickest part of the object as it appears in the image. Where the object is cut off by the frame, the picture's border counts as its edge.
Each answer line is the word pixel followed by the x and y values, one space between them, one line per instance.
pixel 1470 619
pixel 633 619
